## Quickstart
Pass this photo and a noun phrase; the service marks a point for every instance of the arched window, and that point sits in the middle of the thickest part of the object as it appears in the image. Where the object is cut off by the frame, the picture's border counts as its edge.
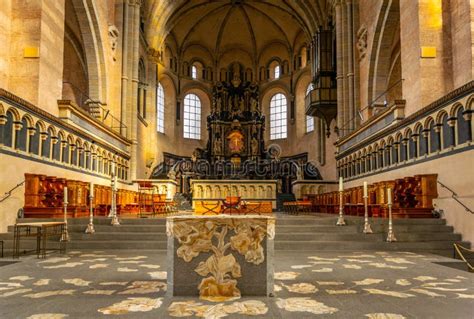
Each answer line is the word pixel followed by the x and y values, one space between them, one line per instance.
pixel 192 117
pixel 194 72
pixel 309 119
pixel 276 71
pixel 160 109
pixel 142 87
pixel 278 117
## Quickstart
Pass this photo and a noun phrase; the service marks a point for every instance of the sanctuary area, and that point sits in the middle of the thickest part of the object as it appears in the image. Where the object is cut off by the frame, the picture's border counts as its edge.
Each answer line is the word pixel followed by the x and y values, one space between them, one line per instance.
pixel 236 158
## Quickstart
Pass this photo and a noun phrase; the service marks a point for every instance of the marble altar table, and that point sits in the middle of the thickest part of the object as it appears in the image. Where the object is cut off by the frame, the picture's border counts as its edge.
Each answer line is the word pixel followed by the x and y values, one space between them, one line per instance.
pixel 220 257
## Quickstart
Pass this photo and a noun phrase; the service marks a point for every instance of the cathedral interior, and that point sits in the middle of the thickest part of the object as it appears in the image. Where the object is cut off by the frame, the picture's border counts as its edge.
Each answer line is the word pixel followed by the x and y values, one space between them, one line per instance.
pixel 236 158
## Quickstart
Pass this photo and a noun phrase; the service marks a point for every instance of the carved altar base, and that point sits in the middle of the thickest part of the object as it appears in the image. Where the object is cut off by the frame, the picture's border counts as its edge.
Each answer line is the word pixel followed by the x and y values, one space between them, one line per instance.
pixel 220 257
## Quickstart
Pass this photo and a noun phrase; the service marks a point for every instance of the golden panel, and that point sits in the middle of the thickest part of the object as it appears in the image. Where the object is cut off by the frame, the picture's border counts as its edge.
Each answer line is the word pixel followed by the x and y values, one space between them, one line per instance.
pixel 31 52
pixel 428 52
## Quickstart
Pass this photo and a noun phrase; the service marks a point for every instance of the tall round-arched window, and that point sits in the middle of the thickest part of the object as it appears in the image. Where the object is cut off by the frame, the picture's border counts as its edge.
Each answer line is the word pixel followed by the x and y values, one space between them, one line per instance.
pixel 192 117
pixel 277 72
pixel 309 119
pixel 160 109
pixel 194 72
pixel 278 116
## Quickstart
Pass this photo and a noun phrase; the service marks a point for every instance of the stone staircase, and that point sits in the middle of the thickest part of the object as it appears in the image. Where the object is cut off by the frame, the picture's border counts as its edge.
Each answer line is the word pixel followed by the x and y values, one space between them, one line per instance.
pixel 315 232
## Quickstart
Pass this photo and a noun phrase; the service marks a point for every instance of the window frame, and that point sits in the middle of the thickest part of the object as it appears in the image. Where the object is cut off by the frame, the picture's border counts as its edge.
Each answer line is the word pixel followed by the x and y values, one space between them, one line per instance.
pixel 278 117
pixel 160 109
pixel 192 113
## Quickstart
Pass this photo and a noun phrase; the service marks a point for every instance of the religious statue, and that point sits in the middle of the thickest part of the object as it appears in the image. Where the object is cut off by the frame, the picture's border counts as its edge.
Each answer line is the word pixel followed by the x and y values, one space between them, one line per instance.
pixel 217 145
pixel 254 146
pixel 218 105
pixel 236 79
pixel 253 105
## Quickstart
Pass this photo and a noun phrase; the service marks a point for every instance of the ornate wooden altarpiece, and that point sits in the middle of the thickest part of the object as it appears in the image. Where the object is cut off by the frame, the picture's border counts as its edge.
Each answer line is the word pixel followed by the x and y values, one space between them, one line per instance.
pixel 236 124
pixel 235 147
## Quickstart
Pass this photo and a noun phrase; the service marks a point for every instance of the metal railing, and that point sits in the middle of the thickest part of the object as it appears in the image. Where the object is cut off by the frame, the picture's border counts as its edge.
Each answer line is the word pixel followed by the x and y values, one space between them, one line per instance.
pixel 458 249
pixel 454 196
pixel 9 193
pixel 96 110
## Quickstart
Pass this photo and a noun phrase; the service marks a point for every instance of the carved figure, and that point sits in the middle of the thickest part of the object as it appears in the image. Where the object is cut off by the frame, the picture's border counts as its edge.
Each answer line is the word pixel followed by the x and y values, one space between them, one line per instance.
pixel 217 145
pixel 254 146
pixel 113 38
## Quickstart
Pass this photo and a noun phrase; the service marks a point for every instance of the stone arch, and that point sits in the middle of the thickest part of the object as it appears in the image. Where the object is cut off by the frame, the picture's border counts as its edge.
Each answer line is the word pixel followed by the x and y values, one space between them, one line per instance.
pixel 386 28
pixel 88 18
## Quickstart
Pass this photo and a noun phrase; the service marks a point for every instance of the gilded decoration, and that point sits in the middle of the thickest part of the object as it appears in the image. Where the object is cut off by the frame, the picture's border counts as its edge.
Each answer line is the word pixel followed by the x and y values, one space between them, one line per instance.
pixel 224 238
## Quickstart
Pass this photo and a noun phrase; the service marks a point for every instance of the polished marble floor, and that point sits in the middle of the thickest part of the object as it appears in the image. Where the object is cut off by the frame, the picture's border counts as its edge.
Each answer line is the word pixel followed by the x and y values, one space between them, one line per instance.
pixel 96 284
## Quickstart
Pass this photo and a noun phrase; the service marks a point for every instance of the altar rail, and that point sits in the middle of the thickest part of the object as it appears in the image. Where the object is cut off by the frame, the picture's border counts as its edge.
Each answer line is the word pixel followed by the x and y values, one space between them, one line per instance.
pixel 392 141
pixel 412 198
pixel 29 132
pixel 44 198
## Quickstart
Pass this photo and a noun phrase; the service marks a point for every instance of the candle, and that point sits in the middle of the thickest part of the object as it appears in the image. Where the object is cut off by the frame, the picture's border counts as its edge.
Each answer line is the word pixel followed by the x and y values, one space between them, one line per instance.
pixel 389 196
pixel 341 186
pixel 113 168
pixel 115 182
pixel 91 190
pixel 65 194
pixel 365 189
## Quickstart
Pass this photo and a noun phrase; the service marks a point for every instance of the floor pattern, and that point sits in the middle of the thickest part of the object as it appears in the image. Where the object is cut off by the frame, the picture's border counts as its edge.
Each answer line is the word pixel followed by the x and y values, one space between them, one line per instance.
pixel 333 285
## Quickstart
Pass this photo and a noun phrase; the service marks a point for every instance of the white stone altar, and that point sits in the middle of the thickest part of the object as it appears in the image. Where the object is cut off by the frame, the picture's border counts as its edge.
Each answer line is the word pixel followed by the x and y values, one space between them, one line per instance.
pixel 162 186
pixel 220 257
pixel 250 190
pixel 305 187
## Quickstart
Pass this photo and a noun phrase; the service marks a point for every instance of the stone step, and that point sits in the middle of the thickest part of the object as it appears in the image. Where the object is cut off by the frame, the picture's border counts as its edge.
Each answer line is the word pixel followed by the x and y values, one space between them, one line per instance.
pixel 294 229
pixel 119 236
pixel 100 221
pixel 122 228
pixel 297 237
pixel 353 220
pixel 356 245
pixel 130 244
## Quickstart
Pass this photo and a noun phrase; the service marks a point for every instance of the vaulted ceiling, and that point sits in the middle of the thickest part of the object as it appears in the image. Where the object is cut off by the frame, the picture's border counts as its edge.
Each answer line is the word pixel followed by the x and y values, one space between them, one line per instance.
pixel 218 26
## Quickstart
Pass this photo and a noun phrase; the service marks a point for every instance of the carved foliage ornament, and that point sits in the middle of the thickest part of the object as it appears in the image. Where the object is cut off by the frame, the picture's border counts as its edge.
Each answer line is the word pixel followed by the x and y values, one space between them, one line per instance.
pixel 362 41
pixel 221 269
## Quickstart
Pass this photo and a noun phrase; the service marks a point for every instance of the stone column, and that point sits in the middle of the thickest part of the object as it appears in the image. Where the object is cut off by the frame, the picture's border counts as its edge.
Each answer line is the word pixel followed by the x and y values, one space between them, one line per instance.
pixel 340 71
pixel 350 67
pixel 125 77
pixel 36 29
pixel 421 27
pixel 134 53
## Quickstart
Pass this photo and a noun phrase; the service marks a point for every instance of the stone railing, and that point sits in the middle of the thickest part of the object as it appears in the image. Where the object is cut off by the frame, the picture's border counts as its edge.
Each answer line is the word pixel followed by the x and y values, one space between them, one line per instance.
pixel 29 132
pixel 390 140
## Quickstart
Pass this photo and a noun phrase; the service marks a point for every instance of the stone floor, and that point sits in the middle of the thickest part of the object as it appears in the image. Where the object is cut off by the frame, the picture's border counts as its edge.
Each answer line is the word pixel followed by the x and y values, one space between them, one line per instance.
pixel 127 284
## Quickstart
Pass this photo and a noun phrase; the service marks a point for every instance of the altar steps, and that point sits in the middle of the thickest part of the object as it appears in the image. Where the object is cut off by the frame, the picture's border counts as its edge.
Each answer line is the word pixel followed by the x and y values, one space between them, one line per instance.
pixel 315 232
pixel 318 232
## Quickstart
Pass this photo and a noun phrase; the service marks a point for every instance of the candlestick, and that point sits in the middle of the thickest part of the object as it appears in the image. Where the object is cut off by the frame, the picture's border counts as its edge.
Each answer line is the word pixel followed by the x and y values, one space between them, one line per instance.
pixel 391 234
pixel 113 169
pixel 90 227
pixel 341 185
pixel 340 219
pixel 65 194
pixel 65 234
pixel 389 196
pixel 367 227
pixel 113 206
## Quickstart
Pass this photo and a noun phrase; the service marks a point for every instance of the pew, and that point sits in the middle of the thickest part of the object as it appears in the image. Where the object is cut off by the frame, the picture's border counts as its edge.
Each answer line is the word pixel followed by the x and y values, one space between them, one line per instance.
pixel 412 198
pixel 44 197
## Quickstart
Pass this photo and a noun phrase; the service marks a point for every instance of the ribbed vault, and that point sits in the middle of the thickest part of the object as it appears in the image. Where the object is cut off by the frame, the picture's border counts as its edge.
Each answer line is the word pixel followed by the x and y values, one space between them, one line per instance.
pixel 221 25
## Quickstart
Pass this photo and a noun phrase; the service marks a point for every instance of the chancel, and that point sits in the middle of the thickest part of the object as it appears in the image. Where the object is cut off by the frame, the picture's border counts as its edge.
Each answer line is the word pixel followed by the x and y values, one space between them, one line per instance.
pixel 236 158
